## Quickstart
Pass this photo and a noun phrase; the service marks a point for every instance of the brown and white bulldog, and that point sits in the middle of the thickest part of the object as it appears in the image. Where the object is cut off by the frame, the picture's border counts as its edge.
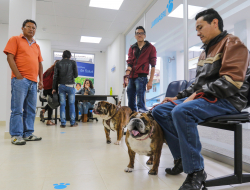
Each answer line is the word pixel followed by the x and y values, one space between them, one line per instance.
pixel 114 117
pixel 144 137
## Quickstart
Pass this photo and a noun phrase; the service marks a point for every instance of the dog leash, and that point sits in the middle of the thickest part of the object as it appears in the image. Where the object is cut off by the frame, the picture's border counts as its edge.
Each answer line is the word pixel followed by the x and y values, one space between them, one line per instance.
pixel 197 96
pixel 149 135
pixel 108 121
pixel 118 105
pixel 123 91
pixel 120 101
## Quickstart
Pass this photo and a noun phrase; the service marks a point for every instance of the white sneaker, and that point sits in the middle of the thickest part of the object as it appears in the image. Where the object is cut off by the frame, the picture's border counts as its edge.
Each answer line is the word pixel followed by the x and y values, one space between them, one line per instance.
pixel 32 138
pixel 18 140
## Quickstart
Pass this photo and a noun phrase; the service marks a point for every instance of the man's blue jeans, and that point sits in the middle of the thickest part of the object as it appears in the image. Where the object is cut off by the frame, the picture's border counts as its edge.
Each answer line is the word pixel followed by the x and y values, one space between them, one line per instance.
pixel 137 87
pixel 84 107
pixel 23 107
pixel 179 124
pixel 63 90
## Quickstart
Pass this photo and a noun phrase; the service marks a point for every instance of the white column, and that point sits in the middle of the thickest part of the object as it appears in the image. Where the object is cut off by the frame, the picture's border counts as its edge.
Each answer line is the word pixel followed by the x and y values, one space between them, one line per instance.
pixel 45 47
pixel 19 10
pixel 185 19
pixel 4 67
pixel 242 30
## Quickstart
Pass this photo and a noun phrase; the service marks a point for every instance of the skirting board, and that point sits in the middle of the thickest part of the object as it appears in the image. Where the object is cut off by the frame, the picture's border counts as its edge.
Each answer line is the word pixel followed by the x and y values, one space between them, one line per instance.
pixel 2 123
pixel 7 135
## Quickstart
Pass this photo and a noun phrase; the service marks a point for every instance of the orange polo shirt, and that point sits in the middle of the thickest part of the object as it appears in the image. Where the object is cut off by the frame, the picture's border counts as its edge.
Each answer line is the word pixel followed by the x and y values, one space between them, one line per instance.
pixel 27 56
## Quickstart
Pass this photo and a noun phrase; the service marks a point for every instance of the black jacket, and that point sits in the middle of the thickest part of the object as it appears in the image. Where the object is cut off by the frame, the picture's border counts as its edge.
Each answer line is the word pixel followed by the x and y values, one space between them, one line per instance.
pixel 222 71
pixel 65 72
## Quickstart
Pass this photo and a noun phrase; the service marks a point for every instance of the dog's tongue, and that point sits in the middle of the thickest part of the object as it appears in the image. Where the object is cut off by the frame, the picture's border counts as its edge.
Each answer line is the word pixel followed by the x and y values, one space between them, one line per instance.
pixel 135 133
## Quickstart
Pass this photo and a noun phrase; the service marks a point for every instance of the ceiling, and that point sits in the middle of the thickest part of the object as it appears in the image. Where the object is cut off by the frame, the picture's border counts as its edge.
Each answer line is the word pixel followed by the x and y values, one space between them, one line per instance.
pixel 65 21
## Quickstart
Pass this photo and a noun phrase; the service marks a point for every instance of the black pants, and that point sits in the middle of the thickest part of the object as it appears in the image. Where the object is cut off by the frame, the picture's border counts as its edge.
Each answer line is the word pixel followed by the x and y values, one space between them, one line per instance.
pixel 47 107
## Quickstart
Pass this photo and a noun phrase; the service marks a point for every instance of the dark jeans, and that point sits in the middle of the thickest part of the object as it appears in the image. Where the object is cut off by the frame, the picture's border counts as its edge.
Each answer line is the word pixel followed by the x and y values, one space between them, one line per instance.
pixel 179 124
pixel 136 89
pixel 47 107
pixel 84 107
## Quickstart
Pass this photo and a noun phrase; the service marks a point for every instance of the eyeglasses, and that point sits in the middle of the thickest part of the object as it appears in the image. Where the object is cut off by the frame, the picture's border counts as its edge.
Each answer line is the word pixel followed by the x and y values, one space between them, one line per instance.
pixel 139 33
pixel 30 27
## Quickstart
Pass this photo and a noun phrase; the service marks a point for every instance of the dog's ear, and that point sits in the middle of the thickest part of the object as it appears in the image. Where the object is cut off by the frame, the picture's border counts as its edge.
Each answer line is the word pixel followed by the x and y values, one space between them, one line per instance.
pixel 132 113
pixel 149 114
pixel 110 108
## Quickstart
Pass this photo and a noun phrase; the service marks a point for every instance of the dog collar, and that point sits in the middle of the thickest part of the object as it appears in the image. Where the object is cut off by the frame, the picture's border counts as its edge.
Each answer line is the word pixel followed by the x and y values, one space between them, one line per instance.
pixel 149 135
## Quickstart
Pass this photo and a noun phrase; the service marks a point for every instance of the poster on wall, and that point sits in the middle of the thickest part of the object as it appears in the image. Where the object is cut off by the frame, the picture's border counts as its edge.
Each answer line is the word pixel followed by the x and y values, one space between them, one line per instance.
pixel 85 69
pixel 82 79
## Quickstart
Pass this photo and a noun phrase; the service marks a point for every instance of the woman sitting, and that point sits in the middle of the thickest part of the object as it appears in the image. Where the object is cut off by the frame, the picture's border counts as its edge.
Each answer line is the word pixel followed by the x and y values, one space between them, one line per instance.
pixel 84 106
pixel 47 86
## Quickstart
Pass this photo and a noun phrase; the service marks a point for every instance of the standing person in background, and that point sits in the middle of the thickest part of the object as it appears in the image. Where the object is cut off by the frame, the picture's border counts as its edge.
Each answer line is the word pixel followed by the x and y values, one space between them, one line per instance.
pixel 25 60
pixel 64 76
pixel 140 56
pixel 85 105
pixel 48 82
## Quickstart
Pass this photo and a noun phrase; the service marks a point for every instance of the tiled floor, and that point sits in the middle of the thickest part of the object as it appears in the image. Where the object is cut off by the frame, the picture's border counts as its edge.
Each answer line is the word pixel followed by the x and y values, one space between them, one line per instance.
pixel 81 158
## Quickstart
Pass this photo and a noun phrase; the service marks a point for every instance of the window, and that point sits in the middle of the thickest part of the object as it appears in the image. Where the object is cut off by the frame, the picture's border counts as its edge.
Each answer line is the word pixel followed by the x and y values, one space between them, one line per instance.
pixel 85 65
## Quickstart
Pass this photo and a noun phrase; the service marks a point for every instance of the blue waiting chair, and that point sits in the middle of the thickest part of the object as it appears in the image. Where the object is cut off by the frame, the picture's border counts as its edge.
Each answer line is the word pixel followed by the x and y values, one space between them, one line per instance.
pixel 175 87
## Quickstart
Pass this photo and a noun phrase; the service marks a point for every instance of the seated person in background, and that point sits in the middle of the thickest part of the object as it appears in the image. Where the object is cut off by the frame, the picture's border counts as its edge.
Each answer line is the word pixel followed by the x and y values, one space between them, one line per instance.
pixel 84 106
pixel 78 87
pixel 47 82
pixel 222 73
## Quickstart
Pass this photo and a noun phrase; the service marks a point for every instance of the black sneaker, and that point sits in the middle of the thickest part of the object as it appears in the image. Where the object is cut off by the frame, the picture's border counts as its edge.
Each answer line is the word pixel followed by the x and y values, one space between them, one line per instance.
pixel 177 169
pixel 62 126
pixel 194 181
pixel 75 125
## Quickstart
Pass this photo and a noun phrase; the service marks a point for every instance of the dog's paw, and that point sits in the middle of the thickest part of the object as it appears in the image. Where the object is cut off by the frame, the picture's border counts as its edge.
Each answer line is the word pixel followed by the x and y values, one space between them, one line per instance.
pixel 117 143
pixel 152 172
pixel 128 170
pixel 149 162
pixel 108 141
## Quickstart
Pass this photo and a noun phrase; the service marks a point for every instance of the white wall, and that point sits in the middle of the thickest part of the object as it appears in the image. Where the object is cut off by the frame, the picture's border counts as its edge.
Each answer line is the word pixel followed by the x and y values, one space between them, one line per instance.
pixel 179 65
pixel 115 56
pixel 45 46
pixel 3 71
pixel 100 74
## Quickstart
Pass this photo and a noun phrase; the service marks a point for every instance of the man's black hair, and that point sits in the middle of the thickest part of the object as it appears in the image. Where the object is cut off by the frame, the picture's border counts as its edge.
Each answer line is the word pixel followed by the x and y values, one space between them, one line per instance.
pixel 140 27
pixel 66 54
pixel 79 84
pixel 28 20
pixel 209 15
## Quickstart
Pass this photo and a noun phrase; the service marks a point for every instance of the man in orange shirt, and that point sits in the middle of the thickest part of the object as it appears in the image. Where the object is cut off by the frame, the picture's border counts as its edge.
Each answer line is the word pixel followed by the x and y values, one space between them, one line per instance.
pixel 25 60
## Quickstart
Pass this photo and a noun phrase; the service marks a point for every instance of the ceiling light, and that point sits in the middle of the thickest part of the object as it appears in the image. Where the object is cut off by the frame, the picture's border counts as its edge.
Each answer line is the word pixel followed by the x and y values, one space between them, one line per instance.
pixel 153 43
pixel 106 4
pixel 88 39
pixel 192 11
pixel 195 48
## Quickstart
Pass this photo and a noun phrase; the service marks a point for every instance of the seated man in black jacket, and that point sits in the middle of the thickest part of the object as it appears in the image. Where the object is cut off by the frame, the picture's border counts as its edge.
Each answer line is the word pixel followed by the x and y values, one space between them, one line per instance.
pixel 64 76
